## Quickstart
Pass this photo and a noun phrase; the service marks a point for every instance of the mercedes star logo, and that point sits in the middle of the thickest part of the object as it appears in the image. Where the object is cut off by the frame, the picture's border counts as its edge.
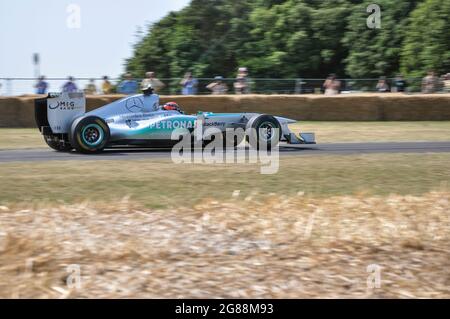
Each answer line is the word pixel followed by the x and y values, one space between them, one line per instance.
pixel 134 105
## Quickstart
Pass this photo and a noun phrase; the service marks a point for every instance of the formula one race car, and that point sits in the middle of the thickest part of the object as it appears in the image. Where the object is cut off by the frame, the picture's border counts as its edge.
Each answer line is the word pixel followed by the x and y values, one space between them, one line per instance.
pixel 140 121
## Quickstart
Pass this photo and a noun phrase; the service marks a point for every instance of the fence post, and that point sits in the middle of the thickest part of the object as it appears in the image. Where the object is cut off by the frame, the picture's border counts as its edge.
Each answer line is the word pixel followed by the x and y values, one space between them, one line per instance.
pixel 298 86
pixel 9 87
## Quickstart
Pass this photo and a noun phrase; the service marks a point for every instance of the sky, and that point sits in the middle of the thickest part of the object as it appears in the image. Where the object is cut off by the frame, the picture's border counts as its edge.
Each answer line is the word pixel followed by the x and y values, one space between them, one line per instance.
pixel 93 43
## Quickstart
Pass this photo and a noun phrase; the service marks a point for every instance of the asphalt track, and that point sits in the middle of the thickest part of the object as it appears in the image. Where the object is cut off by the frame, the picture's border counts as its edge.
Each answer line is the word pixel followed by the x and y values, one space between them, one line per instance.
pixel 42 155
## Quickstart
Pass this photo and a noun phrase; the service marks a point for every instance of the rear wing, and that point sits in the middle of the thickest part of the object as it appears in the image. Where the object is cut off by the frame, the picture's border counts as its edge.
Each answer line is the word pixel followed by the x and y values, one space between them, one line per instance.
pixel 55 113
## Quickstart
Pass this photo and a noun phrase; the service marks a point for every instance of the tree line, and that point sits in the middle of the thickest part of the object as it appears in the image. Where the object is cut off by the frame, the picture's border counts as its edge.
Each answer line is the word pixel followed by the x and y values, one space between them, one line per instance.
pixel 296 38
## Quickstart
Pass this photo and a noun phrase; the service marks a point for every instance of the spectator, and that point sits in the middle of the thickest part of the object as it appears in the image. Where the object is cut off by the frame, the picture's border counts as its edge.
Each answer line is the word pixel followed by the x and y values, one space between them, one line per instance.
pixel 430 83
pixel 441 82
pixel 128 86
pixel 106 86
pixel 90 88
pixel 382 85
pixel 189 84
pixel 446 84
pixel 150 79
pixel 332 86
pixel 217 87
pixel 400 83
pixel 41 86
pixel 70 86
pixel 241 86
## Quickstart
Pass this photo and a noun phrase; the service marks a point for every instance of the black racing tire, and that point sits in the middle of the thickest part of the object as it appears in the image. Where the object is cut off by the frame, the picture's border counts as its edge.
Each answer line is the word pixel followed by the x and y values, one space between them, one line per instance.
pixel 56 144
pixel 89 135
pixel 267 125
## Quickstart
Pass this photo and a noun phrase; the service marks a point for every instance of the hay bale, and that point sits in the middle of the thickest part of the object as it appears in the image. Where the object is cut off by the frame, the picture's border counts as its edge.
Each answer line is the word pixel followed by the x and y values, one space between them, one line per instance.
pixel 19 111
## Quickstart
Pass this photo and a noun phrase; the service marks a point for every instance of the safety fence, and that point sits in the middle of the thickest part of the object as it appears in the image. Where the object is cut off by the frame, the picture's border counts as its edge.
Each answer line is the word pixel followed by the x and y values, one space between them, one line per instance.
pixel 22 86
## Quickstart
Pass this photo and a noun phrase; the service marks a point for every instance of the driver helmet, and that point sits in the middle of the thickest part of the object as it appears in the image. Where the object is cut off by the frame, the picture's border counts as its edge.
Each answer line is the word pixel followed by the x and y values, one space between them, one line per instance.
pixel 171 106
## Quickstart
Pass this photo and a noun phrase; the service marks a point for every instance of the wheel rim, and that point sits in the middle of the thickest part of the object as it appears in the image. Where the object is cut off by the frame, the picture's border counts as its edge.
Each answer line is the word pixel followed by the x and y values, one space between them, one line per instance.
pixel 266 131
pixel 92 134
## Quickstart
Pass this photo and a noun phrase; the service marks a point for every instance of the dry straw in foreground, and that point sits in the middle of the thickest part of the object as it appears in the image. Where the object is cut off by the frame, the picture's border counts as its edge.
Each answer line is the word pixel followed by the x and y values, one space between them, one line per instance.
pixel 282 248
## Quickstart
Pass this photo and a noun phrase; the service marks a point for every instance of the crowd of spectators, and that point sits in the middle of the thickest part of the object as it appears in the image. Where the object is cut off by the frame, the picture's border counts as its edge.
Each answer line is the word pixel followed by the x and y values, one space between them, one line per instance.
pixel 430 84
pixel 129 85
pixel 189 85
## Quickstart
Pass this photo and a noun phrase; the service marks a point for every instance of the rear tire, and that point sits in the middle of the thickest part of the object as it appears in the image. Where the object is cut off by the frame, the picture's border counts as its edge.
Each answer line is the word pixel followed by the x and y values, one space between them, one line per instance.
pixel 89 134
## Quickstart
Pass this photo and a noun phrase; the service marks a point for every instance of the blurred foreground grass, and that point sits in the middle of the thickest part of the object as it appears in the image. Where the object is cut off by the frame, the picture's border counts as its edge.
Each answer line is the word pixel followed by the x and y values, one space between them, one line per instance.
pixel 278 247
pixel 160 183
pixel 326 132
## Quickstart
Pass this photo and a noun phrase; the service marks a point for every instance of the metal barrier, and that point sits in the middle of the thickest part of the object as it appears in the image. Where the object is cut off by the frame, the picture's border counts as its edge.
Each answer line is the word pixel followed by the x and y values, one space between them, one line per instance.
pixel 22 86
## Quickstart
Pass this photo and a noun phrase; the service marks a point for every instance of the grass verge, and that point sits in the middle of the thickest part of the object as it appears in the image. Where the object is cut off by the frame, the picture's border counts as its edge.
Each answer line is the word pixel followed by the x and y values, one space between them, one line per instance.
pixel 349 132
pixel 160 183
pixel 326 132
pixel 21 138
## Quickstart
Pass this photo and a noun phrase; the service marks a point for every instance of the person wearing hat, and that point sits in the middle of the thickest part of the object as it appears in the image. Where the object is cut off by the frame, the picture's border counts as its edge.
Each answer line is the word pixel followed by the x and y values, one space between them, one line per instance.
pixel 41 86
pixel 241 86
pixel 218 87
pixel 90 88
pixel 332 85
pixel 382 85
pixel 430 83
pixel 70 86
pixel 106 86
pixel 150 79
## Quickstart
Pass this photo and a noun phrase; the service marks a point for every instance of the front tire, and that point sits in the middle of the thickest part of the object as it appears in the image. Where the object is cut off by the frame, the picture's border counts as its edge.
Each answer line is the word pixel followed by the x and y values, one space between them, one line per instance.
pixel 89 134
pixel 263 130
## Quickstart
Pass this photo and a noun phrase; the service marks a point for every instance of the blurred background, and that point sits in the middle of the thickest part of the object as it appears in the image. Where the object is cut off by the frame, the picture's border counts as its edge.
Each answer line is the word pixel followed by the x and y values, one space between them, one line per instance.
pixel 226 46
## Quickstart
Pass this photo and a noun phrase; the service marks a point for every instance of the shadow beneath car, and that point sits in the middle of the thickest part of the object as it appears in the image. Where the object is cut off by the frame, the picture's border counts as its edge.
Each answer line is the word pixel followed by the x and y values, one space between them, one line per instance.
pixel 124 151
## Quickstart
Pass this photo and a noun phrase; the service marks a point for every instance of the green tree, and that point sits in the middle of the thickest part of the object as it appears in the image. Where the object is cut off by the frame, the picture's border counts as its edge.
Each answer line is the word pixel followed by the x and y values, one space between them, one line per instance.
pixel 329 26
pixel 274 38
pixel 280 36
pixel 295 38
pixel 152 52
pixel 376 52
pixel 427 39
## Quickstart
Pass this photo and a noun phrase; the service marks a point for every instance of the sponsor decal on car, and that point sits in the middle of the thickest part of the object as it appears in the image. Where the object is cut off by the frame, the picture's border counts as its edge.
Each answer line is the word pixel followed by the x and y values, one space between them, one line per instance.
pixel 175 124
pixel 63 105
pixel 206 124
pixel 134 105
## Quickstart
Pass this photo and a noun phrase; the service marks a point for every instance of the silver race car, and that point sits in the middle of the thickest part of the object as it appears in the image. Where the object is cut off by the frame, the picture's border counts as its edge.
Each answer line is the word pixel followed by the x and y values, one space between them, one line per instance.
pixel 139 121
